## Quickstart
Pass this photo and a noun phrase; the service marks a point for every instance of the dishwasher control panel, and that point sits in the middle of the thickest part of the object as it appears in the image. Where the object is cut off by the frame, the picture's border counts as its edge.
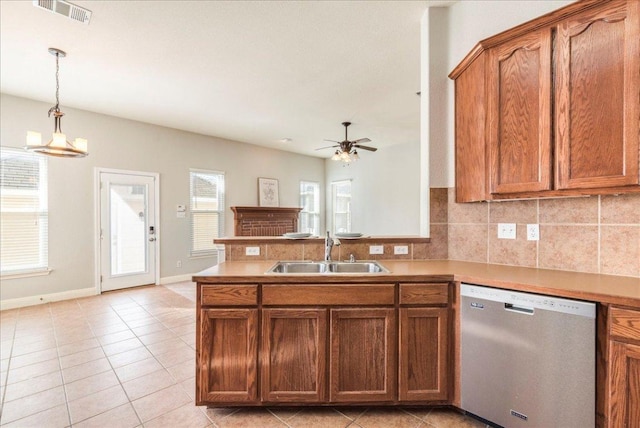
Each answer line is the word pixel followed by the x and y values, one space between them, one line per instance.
pixel 530 301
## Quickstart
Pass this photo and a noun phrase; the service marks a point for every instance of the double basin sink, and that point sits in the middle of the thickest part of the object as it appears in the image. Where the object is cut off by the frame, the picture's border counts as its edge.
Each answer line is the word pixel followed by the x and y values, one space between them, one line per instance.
pixel 328 267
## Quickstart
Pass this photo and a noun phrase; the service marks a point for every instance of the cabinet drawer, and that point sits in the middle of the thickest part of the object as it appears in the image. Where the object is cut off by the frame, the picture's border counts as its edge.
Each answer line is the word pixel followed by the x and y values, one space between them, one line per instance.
pixel 334 294
pixel 424 294
pixel 625 323
pixel 236 295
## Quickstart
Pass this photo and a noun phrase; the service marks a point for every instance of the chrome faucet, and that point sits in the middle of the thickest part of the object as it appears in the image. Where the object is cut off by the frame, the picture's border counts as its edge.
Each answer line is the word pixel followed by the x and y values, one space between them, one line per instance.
pixel 328 245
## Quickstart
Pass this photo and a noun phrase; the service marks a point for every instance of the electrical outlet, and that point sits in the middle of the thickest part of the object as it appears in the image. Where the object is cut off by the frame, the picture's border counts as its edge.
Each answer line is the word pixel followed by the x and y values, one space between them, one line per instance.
pixel 252 251
pixel 533 232
pixel 376 249
pixel 506 230
pixel 179 264
pixel 400 249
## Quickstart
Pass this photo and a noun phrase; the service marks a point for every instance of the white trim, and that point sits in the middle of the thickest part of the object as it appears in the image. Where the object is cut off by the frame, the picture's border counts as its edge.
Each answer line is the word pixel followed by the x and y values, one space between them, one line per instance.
pixel 96 219
pixel 46 298
pixel 26 274
pixel 177 278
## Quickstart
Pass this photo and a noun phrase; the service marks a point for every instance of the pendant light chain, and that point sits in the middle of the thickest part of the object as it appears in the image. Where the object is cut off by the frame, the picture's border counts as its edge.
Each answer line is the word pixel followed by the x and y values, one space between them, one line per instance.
pixel 57 81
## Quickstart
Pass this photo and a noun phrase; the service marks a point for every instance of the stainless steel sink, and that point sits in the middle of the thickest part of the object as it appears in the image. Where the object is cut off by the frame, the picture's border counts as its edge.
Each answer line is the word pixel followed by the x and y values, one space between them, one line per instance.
pixel 328 267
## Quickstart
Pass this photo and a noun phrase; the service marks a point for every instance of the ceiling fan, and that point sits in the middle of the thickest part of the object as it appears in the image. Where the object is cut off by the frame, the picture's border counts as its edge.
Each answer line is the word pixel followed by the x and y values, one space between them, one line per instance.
pixel 347 151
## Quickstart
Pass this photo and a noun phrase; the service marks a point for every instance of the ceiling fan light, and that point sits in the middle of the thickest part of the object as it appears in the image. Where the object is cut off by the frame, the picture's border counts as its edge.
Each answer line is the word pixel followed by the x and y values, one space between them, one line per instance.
pixel 336 156
pixel 345 157
pixel 355 156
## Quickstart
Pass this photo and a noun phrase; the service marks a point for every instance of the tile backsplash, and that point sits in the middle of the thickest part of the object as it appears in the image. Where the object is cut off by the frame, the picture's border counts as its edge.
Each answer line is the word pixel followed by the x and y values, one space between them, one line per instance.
pixel 596 234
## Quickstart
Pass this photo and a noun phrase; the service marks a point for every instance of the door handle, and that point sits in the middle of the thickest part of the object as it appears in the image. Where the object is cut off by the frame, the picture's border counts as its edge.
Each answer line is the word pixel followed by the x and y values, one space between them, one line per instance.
pixel 152 239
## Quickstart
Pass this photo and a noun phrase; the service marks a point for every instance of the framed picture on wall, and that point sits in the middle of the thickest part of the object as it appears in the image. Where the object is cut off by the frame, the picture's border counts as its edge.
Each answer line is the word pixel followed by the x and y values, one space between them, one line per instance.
pixel 268 192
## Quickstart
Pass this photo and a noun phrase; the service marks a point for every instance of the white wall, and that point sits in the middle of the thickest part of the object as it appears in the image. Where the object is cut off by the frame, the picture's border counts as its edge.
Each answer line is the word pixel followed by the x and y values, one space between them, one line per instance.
pixel 385 190
pixel 468 23
pixel 129 145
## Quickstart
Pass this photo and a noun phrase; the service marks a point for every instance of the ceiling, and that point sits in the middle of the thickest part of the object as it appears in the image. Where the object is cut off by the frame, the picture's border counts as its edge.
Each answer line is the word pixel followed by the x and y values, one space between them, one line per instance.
pixel 257 72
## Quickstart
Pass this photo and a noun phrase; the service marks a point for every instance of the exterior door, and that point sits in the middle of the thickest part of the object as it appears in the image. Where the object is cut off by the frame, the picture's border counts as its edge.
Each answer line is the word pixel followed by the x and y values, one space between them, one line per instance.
pixel 128 230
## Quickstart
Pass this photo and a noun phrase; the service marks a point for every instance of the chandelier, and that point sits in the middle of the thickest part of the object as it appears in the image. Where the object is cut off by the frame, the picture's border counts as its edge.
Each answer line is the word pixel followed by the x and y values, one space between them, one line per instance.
pixel 58 145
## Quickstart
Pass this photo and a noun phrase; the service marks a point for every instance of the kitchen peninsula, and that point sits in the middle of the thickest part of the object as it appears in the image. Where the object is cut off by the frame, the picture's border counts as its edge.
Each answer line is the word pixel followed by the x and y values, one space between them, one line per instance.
pixel 304 339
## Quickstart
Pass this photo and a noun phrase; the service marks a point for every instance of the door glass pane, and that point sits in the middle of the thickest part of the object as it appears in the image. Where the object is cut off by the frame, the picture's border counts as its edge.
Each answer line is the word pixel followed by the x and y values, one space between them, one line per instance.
pixel 128 228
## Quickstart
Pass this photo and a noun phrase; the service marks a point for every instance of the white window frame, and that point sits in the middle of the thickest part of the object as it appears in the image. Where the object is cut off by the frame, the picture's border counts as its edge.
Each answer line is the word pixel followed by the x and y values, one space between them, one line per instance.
pixel 39 211
pixel 193 210
pixel 348 212
pixel 312 216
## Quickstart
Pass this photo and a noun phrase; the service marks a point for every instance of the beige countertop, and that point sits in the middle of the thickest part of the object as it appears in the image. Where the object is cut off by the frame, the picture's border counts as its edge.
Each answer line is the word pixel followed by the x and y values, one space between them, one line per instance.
pixel 620 290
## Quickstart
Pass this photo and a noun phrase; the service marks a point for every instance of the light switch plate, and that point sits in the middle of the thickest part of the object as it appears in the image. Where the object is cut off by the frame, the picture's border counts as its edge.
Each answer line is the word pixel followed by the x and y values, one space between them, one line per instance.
pixel 506 231
pixel 376 249
pixel 252 251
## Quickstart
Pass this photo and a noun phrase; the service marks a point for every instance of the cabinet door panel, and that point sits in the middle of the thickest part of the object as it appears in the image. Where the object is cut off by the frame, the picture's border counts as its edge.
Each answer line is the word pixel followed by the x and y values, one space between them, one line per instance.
pixel 625 385
pixel 597 106
pixel 294 355
pixel 470 149
pixel 424 365
pixel 519 113
pixel 228 356
pixel 363 355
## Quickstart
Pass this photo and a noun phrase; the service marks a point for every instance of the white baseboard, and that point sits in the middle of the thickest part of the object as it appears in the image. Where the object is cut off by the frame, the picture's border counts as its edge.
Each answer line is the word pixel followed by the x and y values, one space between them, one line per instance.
pixel 46 298
pixel 177 278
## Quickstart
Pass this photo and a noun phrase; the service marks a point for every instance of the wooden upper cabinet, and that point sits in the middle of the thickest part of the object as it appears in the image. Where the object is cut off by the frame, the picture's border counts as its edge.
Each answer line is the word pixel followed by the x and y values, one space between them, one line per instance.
pixel 519 114
pixel 597 97
pixel 470 133
pixel 552 107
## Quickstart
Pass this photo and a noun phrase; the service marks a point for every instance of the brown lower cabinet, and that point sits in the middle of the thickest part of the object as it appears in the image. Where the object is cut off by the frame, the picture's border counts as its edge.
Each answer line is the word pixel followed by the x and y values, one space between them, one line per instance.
pixel 624 368
pixel 329 344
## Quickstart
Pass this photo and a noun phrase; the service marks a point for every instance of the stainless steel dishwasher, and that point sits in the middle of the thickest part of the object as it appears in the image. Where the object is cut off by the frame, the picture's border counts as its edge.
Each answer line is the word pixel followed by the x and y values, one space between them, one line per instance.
pixel 527 360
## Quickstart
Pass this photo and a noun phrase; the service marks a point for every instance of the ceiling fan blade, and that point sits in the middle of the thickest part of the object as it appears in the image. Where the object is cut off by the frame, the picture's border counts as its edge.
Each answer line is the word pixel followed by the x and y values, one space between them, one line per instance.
pixel 327 147
pixel 362 140
pixel 332 141
pixel 371 149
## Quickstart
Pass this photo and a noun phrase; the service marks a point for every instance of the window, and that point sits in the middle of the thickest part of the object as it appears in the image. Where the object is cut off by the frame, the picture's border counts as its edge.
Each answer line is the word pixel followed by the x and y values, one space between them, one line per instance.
pixel 207 211
pixel 24 212
pixel 310 203
pixel 341 206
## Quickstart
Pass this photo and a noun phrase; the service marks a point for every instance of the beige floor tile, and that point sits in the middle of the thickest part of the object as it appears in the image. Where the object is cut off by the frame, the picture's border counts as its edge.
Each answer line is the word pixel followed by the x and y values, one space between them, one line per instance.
pixel 319 418
pixel 32 404
pixel 183 370
pixel 79 346
pixel 137 369
pixel 148 384
pixel 160 402
pixel 84 370
pixel 445 418
pixel 285 413
pixel 189 386
pixel 187 416
pixel 120 417
pixel 165 346
pixel 250 418
pixel 125 345
pixel 27 348
pixel 157 336
pixel 216 414
pixel 31 386
pixel 33 358
pixel 97 403
pixel 114 337
pixel 91 385
pixel 32 370
pixel 55 417
pixel 148 328
pixel 352 413
pixel 176 356
pixel 81 357
pixel 387 418
pixel 128 357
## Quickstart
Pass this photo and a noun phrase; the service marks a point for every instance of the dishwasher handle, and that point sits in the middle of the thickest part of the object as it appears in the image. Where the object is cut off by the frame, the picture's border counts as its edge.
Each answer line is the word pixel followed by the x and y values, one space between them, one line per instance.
pixel 518 309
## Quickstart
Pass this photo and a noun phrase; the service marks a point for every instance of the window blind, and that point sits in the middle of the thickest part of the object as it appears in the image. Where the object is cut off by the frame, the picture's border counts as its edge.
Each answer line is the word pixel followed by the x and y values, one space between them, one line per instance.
pixel 23 212
pixel 207 210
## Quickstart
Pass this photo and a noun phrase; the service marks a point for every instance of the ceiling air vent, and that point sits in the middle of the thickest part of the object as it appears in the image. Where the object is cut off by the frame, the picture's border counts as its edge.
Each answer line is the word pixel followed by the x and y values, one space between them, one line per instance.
pixel 65 8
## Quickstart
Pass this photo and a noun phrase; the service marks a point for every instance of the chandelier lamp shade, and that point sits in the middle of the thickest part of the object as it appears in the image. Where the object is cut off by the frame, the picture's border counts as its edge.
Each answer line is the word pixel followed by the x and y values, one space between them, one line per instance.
pixel 58 145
